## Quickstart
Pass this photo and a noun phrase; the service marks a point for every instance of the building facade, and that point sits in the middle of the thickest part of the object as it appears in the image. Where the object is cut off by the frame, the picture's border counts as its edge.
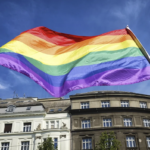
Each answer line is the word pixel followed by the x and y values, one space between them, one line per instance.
pixel 26 122
pixel 127 114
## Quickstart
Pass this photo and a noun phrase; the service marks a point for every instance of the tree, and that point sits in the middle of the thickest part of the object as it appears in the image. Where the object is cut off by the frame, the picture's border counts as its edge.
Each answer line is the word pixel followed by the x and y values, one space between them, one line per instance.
pixel 107 141
pixel 48 144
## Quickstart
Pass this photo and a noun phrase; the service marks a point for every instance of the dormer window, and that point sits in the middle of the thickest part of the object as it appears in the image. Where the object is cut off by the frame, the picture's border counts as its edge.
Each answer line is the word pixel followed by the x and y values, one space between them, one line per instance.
pixel 19 102
pixel 28 108
pixel 10 108
pixel 60 109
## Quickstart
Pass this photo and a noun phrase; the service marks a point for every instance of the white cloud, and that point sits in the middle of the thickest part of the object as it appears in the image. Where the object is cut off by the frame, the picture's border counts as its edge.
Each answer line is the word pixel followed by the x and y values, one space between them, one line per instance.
pixel 2 87
pixel 130 10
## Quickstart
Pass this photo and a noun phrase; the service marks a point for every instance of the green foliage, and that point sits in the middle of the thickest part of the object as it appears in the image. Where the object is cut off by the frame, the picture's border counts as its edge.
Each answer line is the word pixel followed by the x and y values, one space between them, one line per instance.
pixel 108 141
pixel 48 144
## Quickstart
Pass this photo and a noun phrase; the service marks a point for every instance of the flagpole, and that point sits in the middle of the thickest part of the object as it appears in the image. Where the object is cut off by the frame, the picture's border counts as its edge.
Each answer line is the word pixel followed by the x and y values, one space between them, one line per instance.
pixel 138 43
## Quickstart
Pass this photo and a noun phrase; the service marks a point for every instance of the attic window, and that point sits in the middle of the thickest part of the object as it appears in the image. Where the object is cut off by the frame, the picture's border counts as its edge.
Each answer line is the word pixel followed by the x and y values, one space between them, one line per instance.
pixel 51 110
pixel 60 109
pixel 28 108
pixel 19 102
pixel 4 102
pixel 10 108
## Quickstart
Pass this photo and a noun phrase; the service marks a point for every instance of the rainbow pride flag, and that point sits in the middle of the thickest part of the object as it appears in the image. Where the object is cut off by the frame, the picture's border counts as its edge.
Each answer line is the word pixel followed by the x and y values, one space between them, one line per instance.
pixel 61 63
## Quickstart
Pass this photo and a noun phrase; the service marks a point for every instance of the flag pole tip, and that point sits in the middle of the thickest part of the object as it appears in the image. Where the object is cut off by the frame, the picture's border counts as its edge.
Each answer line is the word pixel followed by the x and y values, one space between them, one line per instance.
pixel 127 27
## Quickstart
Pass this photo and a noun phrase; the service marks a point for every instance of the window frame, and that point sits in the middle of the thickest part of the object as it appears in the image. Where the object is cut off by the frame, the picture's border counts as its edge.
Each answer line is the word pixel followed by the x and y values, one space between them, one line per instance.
pixel 148 122
pixel 106 105
pixel 124 121
pixel 124 104
pixel 10 108
pixel 5 127
pixel 86 142
pixel 86 105
pixel 129 142
pixel 142 104
pixel 106 122
pixel 47 124
pixel 28 126
pixel 3 148
pixel 148 145
pixel 88 123
pixel 25 145
pixel 55 142
pixel 53 124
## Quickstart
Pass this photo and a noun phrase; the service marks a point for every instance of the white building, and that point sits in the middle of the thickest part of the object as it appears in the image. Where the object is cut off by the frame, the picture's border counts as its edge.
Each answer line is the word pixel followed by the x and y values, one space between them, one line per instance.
pixel 25 123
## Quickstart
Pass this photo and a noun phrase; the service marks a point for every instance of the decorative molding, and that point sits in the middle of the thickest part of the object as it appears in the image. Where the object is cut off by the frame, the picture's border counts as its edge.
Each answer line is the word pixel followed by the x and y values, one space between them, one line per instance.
pixel 20 115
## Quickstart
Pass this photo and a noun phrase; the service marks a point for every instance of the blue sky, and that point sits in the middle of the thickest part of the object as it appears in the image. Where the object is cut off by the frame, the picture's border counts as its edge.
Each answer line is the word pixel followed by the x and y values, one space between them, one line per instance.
pixel 79 17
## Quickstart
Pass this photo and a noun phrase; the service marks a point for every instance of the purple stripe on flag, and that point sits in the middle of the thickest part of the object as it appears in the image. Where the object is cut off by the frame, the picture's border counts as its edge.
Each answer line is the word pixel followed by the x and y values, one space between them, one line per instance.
pixel 110 77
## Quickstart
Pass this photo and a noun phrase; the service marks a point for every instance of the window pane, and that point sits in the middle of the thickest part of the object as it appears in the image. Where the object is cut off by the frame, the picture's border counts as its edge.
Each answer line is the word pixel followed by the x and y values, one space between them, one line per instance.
pixel 5 146
pixel 105 104
pixel 148 141
pixel 25 145
pixel 8 128
pixel 84 105
pixel 47 124
pixel 57 124
pixel 130 141
pixel 146 122
pixel 85 123
pixel 87 143
pixel 107 123
pixel 27 127
pixel 124 104
pixel 55 143
pixel 52 124
pixel 127 122
pixel 143 104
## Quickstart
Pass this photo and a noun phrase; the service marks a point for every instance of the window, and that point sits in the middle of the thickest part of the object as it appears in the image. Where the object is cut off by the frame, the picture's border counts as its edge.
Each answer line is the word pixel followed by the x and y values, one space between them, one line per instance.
pixel 143 104
pixel 130 141
pixel 107 123
pixel 28 108
pixel 52 124
pixel 105 104
pixel 109 143
pixel 27 127
pixel 127 122
pixel 84 105
pixel 60 109
pixel 55 143
pixel 87 143
pixel 5 146
pixel 51 110
pixel 47 124
pixel 148 141
pixel 3 102
pixel 8 128
pixel 57 124
pixel 124 103
pixel 25 145
pixel 10 108
pixel 19 102
pixel 85 124
pixel 146 122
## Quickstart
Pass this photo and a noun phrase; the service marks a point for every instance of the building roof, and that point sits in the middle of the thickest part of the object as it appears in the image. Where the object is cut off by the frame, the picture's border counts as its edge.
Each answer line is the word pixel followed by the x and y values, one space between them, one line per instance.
pixel 21 102
pixel 56 105
pixel 107 93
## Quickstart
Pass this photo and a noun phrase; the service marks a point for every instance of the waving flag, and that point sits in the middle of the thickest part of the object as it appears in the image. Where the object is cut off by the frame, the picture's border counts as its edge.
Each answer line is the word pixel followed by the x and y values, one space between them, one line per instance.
pixel 61 63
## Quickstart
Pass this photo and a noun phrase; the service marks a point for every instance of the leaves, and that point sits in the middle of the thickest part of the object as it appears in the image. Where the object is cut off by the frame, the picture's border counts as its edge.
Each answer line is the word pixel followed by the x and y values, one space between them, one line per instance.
pixel 107 141
pixel 48 144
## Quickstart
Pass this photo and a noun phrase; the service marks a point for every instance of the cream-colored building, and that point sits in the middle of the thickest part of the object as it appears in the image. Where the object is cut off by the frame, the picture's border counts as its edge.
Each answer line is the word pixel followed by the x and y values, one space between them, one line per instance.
pixel 26 122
